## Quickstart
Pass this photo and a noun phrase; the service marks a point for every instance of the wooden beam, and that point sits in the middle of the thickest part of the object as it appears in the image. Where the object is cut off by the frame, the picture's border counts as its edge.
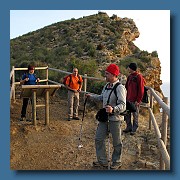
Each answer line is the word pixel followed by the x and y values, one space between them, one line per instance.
pixel 40 86
pixel 34 107
pixel 47 107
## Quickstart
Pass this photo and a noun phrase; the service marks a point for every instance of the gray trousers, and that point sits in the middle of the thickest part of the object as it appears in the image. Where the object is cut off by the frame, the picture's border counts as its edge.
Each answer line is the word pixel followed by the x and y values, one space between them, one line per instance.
pixel 73 104
pixel 132 126
pixel 100 141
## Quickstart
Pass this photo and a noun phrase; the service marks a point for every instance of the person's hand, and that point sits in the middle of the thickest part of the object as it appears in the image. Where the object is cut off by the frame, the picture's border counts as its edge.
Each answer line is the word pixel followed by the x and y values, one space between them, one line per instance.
pixel 109 109
pixel 136 104
pixel 37 80
pixel 87 95
pixel 26 79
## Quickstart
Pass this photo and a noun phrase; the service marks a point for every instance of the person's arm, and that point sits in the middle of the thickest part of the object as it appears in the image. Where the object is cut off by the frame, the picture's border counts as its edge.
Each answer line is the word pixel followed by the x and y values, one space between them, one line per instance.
pixel 96 96
pixel 140 82
pixel 81 84
pixel 24 79
pixel 71 88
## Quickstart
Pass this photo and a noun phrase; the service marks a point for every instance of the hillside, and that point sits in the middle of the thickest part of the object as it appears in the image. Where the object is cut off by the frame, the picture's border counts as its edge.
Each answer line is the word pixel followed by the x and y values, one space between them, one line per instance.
pixel 89 43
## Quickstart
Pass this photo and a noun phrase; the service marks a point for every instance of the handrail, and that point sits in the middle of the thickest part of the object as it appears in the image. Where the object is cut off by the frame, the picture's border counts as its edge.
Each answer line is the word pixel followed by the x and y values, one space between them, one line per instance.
pixel 12 79
pixel 160 101
pixel 87 77
pixel 54 82
pixel 11 73
pixel 36 68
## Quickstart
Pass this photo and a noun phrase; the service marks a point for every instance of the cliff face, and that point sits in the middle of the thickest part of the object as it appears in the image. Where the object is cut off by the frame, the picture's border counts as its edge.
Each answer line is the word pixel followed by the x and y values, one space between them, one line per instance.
pixel 90 43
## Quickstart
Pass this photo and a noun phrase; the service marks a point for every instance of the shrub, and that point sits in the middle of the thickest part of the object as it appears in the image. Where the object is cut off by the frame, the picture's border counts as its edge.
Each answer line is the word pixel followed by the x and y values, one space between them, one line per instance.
pixel 154 54
pixel 100 46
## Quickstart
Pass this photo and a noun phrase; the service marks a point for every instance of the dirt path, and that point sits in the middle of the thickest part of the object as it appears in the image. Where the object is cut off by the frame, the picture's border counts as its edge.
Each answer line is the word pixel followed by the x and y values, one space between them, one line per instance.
pixel 54 147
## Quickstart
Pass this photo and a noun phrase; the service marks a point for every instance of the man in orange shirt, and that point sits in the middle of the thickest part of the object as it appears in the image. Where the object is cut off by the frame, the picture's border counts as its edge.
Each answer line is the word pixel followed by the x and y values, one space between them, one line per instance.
pixel 74 86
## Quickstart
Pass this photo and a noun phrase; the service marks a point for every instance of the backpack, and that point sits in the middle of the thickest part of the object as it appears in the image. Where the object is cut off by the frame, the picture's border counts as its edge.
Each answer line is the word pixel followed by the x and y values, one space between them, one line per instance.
pixel 145 98
pixel 70 75
pixel 65 79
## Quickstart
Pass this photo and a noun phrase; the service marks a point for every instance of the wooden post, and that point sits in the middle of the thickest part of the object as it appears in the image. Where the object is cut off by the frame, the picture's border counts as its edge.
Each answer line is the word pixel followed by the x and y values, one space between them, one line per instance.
pixel 85 84
pixel 151 106
pixel 34 107
pixel 164 132
pixel 47 75
pixel 47 107
pixel 13 85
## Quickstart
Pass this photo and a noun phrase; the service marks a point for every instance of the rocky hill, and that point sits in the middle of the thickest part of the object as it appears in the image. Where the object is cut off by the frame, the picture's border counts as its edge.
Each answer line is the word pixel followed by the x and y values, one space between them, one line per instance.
pixel 89 43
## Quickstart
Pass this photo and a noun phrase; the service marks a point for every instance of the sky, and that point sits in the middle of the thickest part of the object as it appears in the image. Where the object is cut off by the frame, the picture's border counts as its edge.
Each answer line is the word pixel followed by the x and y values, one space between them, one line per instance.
pixel 153 25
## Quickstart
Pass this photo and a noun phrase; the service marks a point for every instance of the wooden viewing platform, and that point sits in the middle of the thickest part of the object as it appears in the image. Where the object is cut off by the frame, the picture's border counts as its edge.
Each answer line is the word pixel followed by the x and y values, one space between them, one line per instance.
pixel 34 91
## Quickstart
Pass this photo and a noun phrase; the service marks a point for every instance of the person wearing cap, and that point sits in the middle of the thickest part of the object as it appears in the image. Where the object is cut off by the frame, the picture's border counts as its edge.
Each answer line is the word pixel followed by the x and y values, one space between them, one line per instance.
pixel 117 104
pixel 135 90
pixel 28 78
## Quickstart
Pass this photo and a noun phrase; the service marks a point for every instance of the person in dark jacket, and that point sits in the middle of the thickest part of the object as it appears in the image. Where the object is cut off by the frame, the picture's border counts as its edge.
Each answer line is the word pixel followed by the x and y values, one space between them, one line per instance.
pixel 135 91
pixel 28 78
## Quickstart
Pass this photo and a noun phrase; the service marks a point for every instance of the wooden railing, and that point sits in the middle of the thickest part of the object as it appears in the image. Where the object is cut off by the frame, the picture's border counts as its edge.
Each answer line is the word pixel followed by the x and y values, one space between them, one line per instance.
pixel 13 83
pixel 161 135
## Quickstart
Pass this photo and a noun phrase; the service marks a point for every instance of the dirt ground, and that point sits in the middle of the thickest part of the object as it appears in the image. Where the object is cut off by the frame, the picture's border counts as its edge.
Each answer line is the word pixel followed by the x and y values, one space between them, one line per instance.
pixel 55 147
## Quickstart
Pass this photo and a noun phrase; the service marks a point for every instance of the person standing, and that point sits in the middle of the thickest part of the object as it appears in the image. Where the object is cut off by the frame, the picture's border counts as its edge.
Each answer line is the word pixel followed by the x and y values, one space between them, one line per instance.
pixel 74 86
pixel 28 78
pixel 135 91
pixel 117 104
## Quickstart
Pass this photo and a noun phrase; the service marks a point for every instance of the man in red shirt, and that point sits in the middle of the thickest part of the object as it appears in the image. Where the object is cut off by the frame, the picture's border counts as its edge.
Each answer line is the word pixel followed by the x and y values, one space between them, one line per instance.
pixel 135 91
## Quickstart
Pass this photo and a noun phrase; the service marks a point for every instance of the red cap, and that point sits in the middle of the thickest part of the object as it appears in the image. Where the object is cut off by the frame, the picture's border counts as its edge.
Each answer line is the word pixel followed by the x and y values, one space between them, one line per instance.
pixel 113 69
pixel 31 67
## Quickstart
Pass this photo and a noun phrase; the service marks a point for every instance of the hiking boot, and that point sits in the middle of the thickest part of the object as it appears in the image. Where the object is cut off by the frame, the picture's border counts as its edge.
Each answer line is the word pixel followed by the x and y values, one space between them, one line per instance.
pixel 99 164
pixel 133 133
pixel 76 118
pixel 115 165
pixel 29 120
pixel 127 130
pixel 22 118
pixel 70 118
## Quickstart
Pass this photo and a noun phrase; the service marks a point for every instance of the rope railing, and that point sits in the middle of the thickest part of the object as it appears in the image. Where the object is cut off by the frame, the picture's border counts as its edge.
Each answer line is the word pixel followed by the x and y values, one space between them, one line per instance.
pixel 162 139
pixel 83 76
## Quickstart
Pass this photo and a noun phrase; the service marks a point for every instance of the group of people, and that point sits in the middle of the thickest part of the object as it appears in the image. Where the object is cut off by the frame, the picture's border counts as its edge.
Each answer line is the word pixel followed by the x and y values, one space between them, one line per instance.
pixel 133 91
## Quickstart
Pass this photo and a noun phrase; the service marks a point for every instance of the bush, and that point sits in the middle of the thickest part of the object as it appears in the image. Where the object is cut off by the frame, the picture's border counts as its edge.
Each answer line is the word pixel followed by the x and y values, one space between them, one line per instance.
pixel 100 46
pixel 154 54
pixel 95 86
pixel 85 67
